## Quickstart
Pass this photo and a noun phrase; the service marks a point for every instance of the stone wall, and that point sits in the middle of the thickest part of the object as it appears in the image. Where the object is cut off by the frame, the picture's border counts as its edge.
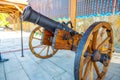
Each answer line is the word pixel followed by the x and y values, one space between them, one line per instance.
pixel 83 24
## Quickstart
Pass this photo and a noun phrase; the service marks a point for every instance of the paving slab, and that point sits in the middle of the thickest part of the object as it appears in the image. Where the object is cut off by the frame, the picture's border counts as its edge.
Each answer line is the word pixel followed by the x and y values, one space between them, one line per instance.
pixel 35 72
pixel 52 69
pixel 116 77
pixel 64 76
pixel 2 74
pixel 65 60
pixel 17 75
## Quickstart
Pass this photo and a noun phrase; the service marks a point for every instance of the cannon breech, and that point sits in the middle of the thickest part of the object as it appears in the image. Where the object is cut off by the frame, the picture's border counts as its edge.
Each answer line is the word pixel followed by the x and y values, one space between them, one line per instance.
pixel 32 16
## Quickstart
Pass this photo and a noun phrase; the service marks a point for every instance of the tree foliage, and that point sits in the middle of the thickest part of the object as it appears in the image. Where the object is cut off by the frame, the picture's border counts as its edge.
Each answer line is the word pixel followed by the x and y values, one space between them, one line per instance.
pixel 3 19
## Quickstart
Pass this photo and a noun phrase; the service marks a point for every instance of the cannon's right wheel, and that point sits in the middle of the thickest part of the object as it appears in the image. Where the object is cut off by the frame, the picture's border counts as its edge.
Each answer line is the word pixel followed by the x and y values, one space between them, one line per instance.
pixel 36 46
pixel 94 52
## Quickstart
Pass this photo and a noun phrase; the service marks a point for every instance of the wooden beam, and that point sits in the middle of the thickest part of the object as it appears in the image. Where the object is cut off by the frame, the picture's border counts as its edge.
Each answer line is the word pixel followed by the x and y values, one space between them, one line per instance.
pixel 9 12
pixel 16 6
pixel 73 5
pixel 114 6
pixel 12 16
pixel 14 22
pixel 18 2
pixel 19 8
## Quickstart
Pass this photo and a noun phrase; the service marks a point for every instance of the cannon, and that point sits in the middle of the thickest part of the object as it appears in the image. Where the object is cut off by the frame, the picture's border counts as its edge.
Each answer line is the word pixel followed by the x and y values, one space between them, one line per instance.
pixel 93 49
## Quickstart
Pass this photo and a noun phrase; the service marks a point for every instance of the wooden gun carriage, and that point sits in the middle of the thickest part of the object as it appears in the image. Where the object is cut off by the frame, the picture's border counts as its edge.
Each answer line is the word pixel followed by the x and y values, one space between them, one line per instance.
pixel 93 47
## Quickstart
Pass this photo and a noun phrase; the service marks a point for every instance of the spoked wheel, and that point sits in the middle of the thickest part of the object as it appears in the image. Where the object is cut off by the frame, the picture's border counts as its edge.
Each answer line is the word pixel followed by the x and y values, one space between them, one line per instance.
pixel 94 52
pixel 36 46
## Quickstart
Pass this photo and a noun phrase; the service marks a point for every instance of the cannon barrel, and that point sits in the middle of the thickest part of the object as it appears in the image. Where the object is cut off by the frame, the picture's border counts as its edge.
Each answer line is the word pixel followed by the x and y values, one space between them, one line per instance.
pixel 32 16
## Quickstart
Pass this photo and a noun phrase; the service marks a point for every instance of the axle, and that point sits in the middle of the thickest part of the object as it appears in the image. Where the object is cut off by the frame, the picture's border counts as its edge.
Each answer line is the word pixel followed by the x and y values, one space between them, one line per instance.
pixel 96 56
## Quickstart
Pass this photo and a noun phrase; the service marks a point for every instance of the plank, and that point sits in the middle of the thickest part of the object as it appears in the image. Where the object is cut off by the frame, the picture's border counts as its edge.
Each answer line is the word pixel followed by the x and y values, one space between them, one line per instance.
pixel 33 57
pixel 49 67
pixel 114 68
pixel 12 64
pixel 109 76
pixel 64 76
pixel 31 68
pixel 116 78
pixel 17 75
pixel 2 77
pixel 65 60
pixel 35 72
pixel 26 57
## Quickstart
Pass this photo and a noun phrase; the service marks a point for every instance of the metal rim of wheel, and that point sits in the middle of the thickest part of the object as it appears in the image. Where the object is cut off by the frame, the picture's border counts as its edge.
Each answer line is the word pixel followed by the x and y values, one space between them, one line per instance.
pixel 84 66
pixel 39 50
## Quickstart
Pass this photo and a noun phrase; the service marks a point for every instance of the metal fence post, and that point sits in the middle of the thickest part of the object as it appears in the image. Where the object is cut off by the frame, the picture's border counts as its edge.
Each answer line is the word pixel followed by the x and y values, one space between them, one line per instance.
pixel 22 54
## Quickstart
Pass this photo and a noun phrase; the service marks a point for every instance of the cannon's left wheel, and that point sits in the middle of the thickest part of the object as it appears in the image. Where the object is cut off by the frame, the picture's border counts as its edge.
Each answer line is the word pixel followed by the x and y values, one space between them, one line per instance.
pixel 36 46
pixel 94 52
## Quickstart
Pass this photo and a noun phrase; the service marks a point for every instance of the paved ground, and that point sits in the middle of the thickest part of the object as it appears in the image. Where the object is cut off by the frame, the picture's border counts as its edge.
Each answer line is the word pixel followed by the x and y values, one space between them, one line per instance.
pixel 59 67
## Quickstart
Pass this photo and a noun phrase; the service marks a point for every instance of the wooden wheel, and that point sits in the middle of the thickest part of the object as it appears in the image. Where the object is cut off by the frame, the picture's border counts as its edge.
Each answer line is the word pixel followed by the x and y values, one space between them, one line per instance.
pixel 94 52
pixel 36 46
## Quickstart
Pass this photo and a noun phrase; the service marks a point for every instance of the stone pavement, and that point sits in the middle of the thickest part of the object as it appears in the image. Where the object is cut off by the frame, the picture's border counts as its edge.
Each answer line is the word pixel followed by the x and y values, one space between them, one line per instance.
pixel 59 67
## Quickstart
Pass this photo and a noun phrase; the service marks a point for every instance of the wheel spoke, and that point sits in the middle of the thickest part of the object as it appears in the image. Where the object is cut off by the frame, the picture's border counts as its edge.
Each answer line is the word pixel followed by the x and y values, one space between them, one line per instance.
pixel 37 38
pixel 103 73
pixel 37 46
pixel 96 69
pixel 81 67
pixel 47 50
pixel 106 40
pixel 105 52
pixel 86 60
pixel 54 51
pixel 42 49
pixel 87 69
pixel 40 31
pixel 91 72
pixel 90 47
pixel 94 42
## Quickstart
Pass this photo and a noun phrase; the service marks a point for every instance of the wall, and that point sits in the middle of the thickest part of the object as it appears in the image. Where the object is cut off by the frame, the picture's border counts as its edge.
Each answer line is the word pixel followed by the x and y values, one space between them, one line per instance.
pixel 83 24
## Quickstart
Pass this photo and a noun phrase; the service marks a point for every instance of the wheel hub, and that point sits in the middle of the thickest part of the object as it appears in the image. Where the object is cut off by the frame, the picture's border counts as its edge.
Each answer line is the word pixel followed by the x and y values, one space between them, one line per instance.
pixel 103 58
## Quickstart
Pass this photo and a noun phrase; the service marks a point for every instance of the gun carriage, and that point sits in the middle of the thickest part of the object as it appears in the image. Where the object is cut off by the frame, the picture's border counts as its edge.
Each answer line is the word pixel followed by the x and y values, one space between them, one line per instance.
pixel 95 45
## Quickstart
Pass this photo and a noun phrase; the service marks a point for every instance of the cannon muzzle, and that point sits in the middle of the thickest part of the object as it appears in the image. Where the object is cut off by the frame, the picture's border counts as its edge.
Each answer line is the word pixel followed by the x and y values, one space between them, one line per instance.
pixel 32 16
